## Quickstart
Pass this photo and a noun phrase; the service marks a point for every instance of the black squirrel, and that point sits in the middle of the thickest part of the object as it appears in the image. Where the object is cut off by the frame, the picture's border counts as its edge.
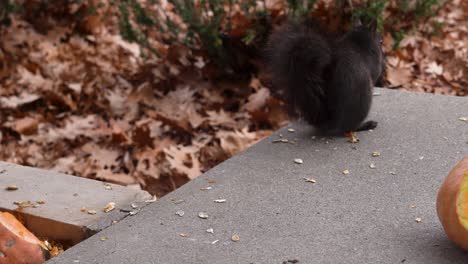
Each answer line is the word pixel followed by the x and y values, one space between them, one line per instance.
pixel 327 80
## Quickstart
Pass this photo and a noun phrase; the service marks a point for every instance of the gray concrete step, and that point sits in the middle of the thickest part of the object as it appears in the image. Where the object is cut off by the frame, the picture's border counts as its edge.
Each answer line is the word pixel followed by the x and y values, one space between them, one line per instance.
pixel 56 200
pixel 366 216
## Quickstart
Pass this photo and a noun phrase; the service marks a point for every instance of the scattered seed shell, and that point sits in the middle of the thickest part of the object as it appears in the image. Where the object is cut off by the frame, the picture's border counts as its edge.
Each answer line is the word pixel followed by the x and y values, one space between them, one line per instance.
pixel 134 206
pixel 178 201
pixel 206 188
pixel 134 212
pixel 48 245
pixel 210 181
pixel 463 118
pixel 203 215
pixel 372 166
pixel 235 238
pixel 281 140
pixel 291 130
pixel 220 201
pixel 298 161
pixel 109 207
pixel 104 238
pixel 346 172
pixel 107 187
pixel 312 180
pixel 375 154
pixel 353 139
pixel 392 173
pixel 41 202
pixel 418 219
pixel 214 242
pixel 11 188
pixel 154 199
pixel 92 212
pixel 180 213
pixel 83 209
pixel 183 235
pixel 24 204
pixel 210 230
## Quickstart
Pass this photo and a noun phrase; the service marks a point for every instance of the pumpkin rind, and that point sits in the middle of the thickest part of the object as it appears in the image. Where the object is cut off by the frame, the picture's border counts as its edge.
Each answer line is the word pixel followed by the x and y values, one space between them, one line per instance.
pixel 452 192
pixel 17 244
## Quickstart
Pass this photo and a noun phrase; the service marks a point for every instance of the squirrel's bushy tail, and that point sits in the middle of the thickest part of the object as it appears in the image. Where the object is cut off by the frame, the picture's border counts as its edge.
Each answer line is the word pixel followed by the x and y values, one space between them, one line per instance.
pixel 297 57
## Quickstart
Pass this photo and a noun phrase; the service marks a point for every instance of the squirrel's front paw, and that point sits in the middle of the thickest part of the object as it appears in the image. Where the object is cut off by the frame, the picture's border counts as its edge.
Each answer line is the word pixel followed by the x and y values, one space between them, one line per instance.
pixel 367 125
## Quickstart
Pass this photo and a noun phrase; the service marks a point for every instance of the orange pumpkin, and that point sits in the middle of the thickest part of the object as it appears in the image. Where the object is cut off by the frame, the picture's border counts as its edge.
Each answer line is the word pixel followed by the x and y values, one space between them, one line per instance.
pixel 452 204
pixel 17 244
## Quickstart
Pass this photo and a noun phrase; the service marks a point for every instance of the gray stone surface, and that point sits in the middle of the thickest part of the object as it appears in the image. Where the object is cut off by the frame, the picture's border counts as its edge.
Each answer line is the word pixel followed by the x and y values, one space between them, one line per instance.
pixel 60 217
pixel 363 217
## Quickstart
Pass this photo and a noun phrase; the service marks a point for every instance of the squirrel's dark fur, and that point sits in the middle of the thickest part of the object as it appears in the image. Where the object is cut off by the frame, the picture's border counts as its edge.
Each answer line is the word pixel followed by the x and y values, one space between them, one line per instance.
pixel 327 80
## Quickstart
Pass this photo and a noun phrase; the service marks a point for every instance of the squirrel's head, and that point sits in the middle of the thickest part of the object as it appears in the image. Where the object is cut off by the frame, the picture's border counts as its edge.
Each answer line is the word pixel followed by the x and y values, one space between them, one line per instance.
pixel 369 42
